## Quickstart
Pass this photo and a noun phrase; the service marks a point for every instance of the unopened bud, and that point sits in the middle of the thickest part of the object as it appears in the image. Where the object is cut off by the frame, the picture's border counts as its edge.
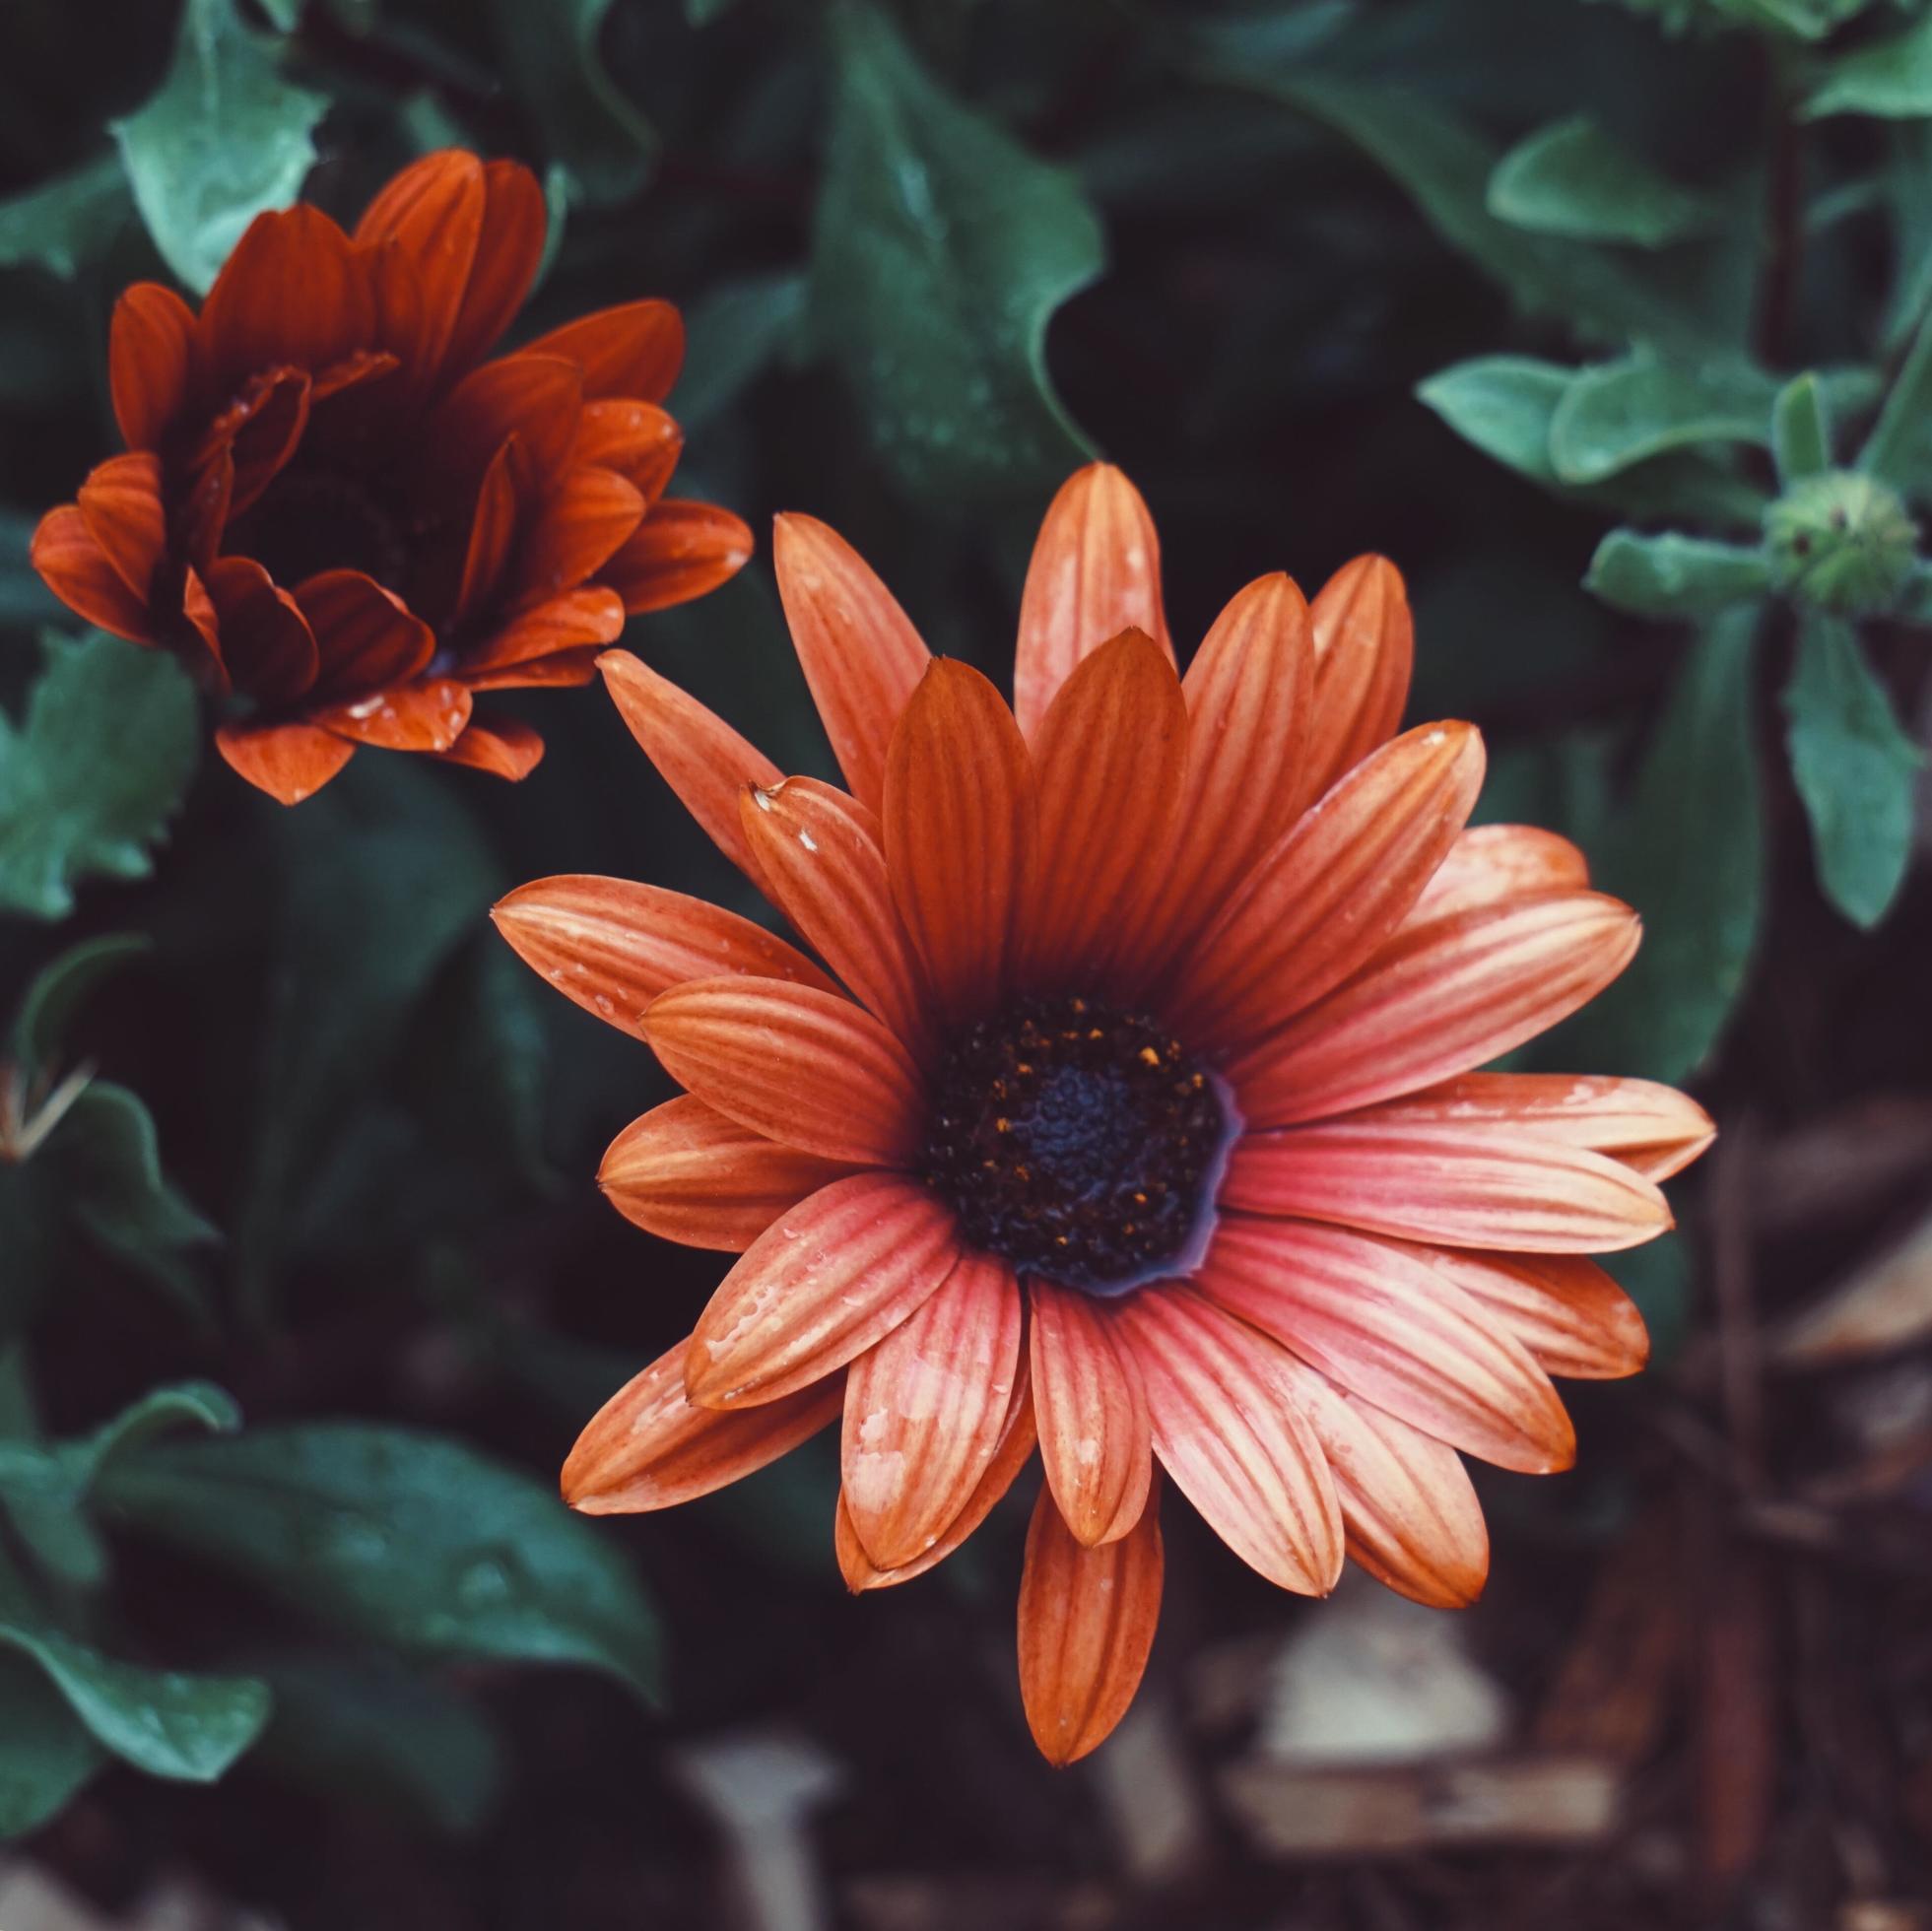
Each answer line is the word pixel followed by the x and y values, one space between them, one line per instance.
pixel 1842 542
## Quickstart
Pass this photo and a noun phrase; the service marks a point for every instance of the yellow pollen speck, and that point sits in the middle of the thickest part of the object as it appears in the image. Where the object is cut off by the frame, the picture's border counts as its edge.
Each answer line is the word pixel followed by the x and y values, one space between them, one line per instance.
pixel 1149 1056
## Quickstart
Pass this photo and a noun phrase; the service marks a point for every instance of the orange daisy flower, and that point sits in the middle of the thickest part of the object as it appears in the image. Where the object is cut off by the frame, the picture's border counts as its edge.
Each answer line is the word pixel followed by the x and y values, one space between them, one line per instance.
pixel 1127 1107
pixel 334 509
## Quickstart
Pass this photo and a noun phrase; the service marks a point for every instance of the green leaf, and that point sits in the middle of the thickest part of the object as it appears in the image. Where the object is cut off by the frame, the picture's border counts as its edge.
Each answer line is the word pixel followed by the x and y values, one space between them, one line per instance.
pixel 1801 431
pixel 94 769
pixel 1856 769
pixel 66 1472
pixel 1627 412
pixel 1891 79
pixel 737 332
pixel 1675 575
pixel 941 248
pixel 47 1752
pixel 60 989
pixel 550 57
pixel 223 139
pixel 1572 179
pixel 67 222
pixel 60 1539
pixel 1898 449
pixel 403 1538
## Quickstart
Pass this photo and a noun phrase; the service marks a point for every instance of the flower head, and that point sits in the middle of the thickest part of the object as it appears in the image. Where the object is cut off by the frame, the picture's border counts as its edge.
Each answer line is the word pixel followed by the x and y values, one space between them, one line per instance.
pixel 336 511
pixel 1128 1108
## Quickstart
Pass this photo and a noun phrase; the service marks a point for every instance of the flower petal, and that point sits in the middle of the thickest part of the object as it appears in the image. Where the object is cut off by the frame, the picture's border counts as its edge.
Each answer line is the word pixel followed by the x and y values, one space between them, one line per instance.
pixel 1437 1000
pixel 1095 1437
pixel 797 1064
pixel 290 761
pixel 686 1172
pixel 534 399
pixel 860 654
pixel 295 291
pixel 820 854
pixel 1087 1622
pixel 635 350
pixel 925 1410
pixel 1237 1448
pixel 1365 650
pixel 695 751
pixel 432 215
pixel 1108 760
pixel 267 646
pixel 78 571
pixel 429 716
pixel 149 361
pixel 638 440
pixel 680 550
pixel 1096 572
pixel 1491 863
pixel 576 532
pixel 509 245
pixel 831 1279
pixel 958 817
pixel 1377 1320
pixel 614 947
pixel 493 535
pixel 122 501
pixel 505 747
pixel 1568 1311
pixel 1332 890
pixel 650 1447
pixel 364 636
pixel 581 620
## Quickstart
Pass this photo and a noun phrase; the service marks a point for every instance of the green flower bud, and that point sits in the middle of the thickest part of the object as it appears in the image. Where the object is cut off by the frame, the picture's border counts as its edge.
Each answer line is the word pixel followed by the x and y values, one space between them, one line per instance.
pixel 1842 542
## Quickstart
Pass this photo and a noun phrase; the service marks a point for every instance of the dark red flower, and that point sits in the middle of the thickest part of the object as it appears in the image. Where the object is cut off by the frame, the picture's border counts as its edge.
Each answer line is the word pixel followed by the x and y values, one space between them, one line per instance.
pixel 333 508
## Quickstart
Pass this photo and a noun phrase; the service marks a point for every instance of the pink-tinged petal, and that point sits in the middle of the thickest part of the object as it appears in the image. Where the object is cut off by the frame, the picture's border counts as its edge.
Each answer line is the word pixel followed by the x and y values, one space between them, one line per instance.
pixel 78 571
pixel 821 855
pixel 680 550
pixel 1437 1000
pixel 687 1173
pixel 1365 650
pixel 1108 760
pixel 1010 1456
pixel 635 350
pixel 1491 863
pixel 121 503
pixel 1379 1322
pixel 823 1284
pixel 925 1411
pixel 1331 891
pixel 1653 1128
pixel 1087 1622
pixel 1408 1504
pixel 614 946
pixel 266 644
pixel 525 649
pixel 959 825
pixel 1236 1446
pixel 295 292
pixel 650 1447
pixel 1461 1186
pixel 290 761
pixel 149 361
pixel 366 636
pixel 638 440
pixel 860 654
pixel 505 747
pixel 799 1065
pixel 1095 1437
pixel 695 751
pixel 426 716
pixel 1248 696
pixel 1571 1315
pixel 576 532
pixel 1096 572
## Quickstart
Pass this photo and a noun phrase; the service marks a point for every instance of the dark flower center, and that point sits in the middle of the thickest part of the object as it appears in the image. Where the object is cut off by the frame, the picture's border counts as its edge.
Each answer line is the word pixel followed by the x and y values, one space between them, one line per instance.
pixel 1081 1143
pixel 311 519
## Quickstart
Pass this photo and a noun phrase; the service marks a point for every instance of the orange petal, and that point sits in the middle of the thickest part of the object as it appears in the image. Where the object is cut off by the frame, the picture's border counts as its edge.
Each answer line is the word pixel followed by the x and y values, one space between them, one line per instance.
pixel 1108 760
pixel 638 440
pixel 1491 863
pixel 820 854
pixel 925 1410
pixel 505 747
pixel 1096 572
pixel 258 436
pixel 1087 1621
pixel 1237 1448
pixel 364 636
pixel 1377 1321
pixel 1332 890
pixel 1653 1128
pixel 686 1172
pixel 1094 1438
pixel 295 291
pixel 959 818
pixel 122 501
pixel 794 1063
pixel 831 1279
pixel 1408 1504
pixel 290 761
pixel 78 571
pixel 432 215
pixel 576 532
pixel 564 669
pixel 1571 1315
pixel 509 245
pixel 680 550
pixel 150 360
pixel 1365 650
pixel 635 350
pixel 535 399
pixel 1247 710
pixel 860 653
pixel 650 1447
pixel 1016 1445
pixel 426 716
pixel 526 648
pixel 1435 1001
pixel 614 947
pixel 267 646
pixel 493 534
pixel 695 751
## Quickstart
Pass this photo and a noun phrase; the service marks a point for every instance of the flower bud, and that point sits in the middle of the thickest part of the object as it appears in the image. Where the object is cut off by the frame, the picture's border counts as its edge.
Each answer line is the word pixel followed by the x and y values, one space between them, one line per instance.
pixel 1842 542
